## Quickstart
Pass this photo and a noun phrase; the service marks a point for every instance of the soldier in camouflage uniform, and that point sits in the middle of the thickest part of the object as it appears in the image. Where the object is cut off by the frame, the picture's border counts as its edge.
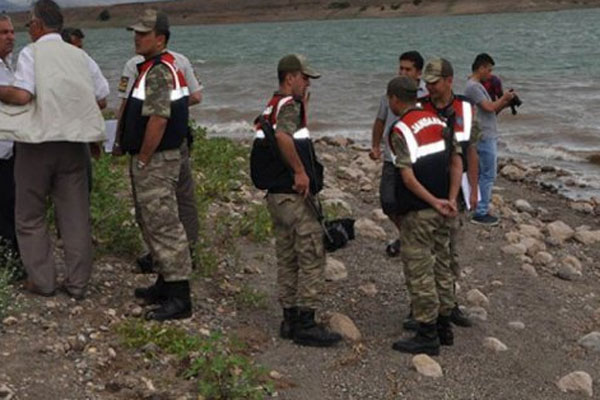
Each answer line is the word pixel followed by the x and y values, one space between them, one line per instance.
pixel 298 235
pixel 430 167
pixel 154 125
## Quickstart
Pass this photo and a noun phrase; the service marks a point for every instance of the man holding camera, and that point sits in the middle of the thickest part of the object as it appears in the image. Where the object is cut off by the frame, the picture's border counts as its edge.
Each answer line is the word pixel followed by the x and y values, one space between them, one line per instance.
pixel 295 175
pixel 487 147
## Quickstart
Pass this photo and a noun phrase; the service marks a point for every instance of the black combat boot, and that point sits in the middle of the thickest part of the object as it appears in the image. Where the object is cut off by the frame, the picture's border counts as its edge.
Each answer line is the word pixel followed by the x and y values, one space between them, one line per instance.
pixel 409 323
pixel 459 319
pixel 444 329
pixel 153 294
pixel 308 333
pixel 178 304
pixel 290 317
pixel 145 263
pixel 425 341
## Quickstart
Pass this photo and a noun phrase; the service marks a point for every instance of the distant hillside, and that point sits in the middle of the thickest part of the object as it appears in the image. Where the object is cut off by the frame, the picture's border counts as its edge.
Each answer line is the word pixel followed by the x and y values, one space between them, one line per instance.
pixel 226 11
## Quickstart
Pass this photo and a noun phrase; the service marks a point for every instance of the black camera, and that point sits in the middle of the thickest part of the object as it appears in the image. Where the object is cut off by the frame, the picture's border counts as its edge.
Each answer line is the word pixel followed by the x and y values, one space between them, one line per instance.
pixel 514 103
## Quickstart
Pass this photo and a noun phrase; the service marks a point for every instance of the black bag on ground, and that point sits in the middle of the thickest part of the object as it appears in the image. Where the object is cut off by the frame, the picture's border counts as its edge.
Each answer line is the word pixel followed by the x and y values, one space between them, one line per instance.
pixel 337 233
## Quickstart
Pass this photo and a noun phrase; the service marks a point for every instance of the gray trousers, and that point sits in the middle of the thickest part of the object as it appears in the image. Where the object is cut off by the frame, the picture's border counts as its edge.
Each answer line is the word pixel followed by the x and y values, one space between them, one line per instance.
pixel 56 170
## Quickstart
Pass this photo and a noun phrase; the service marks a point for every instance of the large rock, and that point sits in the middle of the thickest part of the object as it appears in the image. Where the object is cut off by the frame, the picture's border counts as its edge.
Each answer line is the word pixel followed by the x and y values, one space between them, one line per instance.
pixel 573 262
pixel 378 215
pixel 351 174
pixel 339 204
pixel 478 299
pixel 531 231
pixel 560 231
pixel 367 227
pixel 578 381
pixel 588 237
pixel 530 270
pixel 427 366
pixel 477 313
pixel 343 325
pixel 335 193
pixel 591 341
pixel 533 246
pixel 543 258
pixel 568 273
pixel 335 270
pixel 582 206
pixel 524 206
pixel 494 344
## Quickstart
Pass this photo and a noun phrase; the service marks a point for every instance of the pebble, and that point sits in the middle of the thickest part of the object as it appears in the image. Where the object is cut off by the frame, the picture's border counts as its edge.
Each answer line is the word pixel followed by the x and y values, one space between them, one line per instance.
pixel 523 206
pixel 369 289
pixel 591 341
pixel 476 298
pixel 516 249
pixel 335 270
pixel 494 344
pixel 343 325
pixel 427 366
pixel 275 375
pixel 112 353
pixel 9 321
pixel 578 381
pixel 568 273
pixel 543 258
pixel 573 262
pixel 560 231
pixel 477 313
pixel 516 325
pixel 530 270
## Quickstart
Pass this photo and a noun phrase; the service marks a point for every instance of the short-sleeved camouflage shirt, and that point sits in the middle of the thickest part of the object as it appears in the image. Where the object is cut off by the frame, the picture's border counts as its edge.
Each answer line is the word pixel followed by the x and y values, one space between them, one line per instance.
pixel 289 119
pixel 159 84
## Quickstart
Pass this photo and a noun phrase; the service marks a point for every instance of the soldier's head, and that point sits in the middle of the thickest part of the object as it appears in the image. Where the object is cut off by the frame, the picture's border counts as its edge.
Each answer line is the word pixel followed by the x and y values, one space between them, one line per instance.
pixel 7 36
pixel 482 66
pixel 411 65
pixel 73 36
pixel 402 94
pixel 46 17
pixel 151 33
pixel 438 76
pixel 294 73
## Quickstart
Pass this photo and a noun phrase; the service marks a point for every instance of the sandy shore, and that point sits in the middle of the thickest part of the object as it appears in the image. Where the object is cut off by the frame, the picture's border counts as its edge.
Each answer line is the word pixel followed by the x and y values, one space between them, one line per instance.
pixel 192 12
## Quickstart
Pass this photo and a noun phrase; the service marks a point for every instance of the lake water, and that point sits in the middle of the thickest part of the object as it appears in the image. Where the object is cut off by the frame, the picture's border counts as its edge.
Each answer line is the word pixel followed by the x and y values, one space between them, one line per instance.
pixel 550 58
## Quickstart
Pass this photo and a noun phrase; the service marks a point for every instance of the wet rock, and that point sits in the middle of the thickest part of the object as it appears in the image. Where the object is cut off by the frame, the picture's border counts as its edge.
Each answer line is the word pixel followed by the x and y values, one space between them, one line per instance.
pixel 524 206
pixel 560 231
pixel 343 325
pixel 516 325
pixel 530 270
pixel 543 258
pixel 591 341
pixel 476 298
pixel 477 313
pixel 427 366
pixel 369 289
pixel 588 237
pixel 335 270
pixel 494 344
pixel 516 249
pixel 368 228
pixel 578 382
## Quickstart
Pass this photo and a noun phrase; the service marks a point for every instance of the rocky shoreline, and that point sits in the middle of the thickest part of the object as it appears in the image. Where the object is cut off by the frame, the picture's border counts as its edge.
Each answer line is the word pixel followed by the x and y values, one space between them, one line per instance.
pixel 530 284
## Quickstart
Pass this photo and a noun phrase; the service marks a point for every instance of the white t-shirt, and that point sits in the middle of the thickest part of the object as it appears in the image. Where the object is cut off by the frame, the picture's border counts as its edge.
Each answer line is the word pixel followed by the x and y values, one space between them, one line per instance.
pixel 25 72
pixel 6 78
pixel 130 73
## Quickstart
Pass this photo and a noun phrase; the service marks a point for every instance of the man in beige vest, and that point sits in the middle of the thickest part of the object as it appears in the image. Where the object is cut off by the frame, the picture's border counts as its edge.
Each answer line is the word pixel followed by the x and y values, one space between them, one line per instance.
pixel 52 116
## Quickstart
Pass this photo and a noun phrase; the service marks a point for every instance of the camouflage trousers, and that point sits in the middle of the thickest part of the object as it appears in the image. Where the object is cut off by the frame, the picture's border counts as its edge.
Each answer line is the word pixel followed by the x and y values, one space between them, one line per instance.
pixel 186 200
pixel 154 189
pixel 299 248
pixel 456 236
pixel 425 252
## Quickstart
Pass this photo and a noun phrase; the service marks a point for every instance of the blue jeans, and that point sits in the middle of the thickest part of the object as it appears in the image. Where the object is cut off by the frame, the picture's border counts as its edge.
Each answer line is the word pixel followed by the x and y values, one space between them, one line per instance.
pixel 488 157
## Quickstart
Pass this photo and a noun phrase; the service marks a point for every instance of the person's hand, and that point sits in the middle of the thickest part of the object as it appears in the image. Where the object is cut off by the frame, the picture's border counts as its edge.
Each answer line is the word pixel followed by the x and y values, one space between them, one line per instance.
pixel 301 183
pixel 444 207
pixel 508 96
pixel 473 199
pixel 454 208
pixel 375 153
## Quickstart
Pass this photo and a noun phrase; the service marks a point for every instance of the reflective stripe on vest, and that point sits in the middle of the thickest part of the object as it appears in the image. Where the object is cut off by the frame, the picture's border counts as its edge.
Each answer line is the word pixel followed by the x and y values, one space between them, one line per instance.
pixel 466 112
pixel 302 133
pixel 428 145
pixel 178 92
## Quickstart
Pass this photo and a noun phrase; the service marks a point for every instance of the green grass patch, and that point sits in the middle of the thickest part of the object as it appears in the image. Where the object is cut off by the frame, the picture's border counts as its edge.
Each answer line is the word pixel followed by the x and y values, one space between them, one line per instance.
pixel 256 223
pixel 251 298
pixel 217 363
pixel 113 222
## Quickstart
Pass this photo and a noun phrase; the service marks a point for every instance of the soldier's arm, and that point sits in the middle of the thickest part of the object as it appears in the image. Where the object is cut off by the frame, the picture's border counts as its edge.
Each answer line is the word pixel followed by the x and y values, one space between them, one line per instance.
pixel 377 131
pixel 157 106
pixel 287 148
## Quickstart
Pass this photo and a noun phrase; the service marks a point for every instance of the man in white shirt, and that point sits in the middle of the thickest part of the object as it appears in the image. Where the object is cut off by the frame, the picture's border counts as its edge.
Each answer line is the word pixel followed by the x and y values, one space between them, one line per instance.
pixel 7 161
pixel 51 161
pixel 186 200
